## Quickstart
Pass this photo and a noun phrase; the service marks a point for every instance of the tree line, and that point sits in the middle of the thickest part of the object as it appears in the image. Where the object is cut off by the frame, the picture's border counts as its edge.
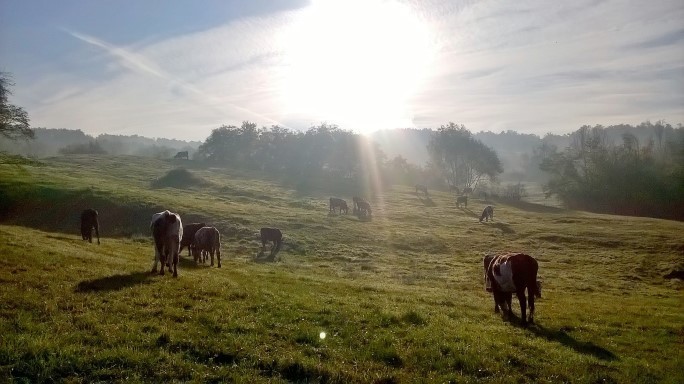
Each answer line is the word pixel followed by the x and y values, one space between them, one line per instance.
pixel 642 173
pixel 635 177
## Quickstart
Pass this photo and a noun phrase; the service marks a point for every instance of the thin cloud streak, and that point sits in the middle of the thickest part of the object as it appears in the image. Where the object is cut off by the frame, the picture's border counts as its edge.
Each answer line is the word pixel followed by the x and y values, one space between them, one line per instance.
pixel 142 65
pixel 532 66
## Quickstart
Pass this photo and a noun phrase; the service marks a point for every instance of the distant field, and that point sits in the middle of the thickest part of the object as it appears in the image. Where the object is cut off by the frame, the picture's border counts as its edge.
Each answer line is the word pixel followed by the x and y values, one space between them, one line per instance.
pixel 400 297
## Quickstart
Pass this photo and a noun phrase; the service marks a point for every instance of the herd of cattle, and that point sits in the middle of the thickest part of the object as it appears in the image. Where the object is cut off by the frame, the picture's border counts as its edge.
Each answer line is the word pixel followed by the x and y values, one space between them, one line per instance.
pixel 504 274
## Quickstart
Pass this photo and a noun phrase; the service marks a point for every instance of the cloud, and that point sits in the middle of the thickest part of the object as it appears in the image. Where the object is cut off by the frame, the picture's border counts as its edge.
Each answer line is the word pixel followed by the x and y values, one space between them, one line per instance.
pixel 532 66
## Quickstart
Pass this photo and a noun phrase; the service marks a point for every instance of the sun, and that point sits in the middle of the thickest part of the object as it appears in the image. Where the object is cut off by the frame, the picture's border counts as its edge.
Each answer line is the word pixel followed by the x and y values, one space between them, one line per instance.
pixel 355 63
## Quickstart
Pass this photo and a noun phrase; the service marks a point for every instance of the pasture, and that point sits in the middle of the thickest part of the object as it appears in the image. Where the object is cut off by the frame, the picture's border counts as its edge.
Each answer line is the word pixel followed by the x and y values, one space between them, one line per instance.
pixel 400 297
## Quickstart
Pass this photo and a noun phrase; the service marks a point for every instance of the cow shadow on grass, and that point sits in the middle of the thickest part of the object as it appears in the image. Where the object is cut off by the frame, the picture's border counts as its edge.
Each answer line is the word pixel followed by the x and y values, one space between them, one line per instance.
pixel 503 227
pixel 562 337
pixel 115 282
pixel 428 202
pixel 265 257
pixel 469 212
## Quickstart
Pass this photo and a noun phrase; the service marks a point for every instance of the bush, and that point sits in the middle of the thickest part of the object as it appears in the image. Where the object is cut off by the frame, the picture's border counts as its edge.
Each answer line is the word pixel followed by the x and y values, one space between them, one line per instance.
pixel 179 178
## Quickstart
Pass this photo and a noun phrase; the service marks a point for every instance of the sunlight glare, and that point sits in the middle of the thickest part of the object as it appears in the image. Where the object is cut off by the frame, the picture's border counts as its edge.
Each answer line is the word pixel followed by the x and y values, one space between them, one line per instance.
pixel 355 63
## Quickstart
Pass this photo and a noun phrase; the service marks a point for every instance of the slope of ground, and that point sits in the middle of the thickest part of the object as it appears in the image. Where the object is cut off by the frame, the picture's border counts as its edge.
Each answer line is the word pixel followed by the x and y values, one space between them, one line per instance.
pixel 400 297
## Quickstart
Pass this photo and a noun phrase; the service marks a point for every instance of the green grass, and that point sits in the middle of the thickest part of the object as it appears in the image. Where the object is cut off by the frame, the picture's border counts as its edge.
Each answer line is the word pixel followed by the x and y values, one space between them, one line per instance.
pixel 400 297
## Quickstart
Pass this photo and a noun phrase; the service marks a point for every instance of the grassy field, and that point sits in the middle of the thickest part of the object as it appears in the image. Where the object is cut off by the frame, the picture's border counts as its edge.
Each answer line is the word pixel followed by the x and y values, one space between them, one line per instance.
pixel 400 297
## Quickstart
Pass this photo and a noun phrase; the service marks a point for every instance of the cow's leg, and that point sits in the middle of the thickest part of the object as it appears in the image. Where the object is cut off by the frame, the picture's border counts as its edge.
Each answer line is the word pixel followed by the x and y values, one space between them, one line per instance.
pixel 156 259
pixel 211 253
pixel 523 305
pixel 530 300
pixel 218 256
pixel 175 263
pixel 509 300
pixel 162 261
pixel 97 233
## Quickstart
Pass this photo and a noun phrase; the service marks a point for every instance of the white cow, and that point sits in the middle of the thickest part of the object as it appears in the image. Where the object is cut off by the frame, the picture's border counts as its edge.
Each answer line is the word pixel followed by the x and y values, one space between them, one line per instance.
pixel 167 231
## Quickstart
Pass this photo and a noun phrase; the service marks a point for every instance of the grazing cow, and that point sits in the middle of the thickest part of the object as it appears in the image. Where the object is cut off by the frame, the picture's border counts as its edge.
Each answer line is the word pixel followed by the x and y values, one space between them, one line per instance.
pixel 274 235
pixel 207 239
pixel 338 203
pixel 421 188
pixel 508 273
pixel 356 200
pixel 88 222
pixel 182 155
pixel 188 239
pixel 167 230
pixel 487 213
pixel 364 208
pixel 467 191
pixel 454 189
pixel 462 200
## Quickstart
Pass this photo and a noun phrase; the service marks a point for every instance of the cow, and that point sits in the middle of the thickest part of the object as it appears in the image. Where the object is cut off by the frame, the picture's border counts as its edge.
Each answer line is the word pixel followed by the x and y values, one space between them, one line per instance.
pixel 462 200
pixel 364 208
pixel 421 188
pixel 88 222
pixel 207 239
pixel 167 231
pixel 188 239
pixel 182 155
pixel 508 273
pixel 454 189
pixel 467 190
pixel 356 200
pixel 338 203
pixel 274 235
pixel 487 213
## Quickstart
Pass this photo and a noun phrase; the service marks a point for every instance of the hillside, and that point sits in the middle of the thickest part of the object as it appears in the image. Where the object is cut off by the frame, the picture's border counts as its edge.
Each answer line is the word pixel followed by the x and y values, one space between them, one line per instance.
pixel 400 297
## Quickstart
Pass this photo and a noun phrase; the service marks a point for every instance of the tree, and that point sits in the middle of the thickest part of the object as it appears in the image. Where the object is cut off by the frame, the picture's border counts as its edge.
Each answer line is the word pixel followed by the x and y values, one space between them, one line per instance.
pixel 14 121
pixel 462 159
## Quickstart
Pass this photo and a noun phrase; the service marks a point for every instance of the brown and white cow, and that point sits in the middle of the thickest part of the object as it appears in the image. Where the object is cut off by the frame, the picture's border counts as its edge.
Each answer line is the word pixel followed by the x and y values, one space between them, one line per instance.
pixel 512 272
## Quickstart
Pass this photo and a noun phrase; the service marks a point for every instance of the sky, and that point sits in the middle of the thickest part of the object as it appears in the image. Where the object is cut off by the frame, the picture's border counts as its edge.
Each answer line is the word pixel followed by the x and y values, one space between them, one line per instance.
pixel 178 69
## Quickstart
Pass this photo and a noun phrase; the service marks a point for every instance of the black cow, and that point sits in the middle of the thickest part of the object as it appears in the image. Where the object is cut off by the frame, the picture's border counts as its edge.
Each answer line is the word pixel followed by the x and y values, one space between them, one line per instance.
pixel 274 235
pixel 188 239
pixel 88 222
pixel 338 203
pixel 462 200
pixel 421 188
pixel 182 155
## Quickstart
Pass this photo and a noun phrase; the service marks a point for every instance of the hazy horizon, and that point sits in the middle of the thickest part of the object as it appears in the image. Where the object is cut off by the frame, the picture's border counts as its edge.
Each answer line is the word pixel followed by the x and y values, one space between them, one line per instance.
pixel 179 71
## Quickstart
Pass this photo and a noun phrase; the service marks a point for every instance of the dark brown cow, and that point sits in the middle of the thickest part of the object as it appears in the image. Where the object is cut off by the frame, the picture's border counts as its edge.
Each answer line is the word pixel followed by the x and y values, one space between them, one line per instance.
pixel 188 239
pixel 356 200
pixel 182 155
pixel 508 273
pixel 207 240
pixel 487 213
pixel 462 200
pixel 338 203
pixel 364 208
pixel 274 235
pixel 88 222
pixel 421 188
